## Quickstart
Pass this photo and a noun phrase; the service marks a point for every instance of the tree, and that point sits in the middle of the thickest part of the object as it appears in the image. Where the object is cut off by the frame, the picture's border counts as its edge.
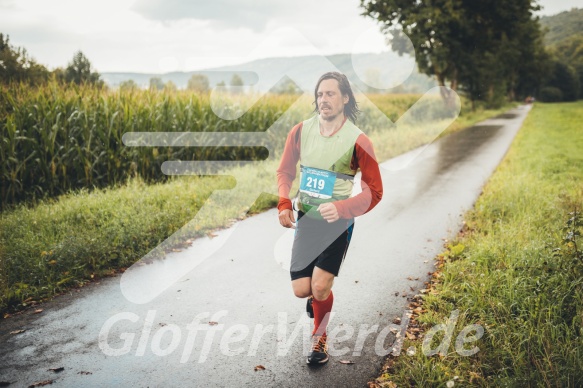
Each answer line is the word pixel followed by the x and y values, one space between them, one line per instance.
pixel 480 45
pixel 128 86
pixel 79 71
pixel 564 78
pixel 156 83
pixel 17 66
pixel 286 86
pixel 170 86
pixel 236 84
pixel 198 83
pixel 570 52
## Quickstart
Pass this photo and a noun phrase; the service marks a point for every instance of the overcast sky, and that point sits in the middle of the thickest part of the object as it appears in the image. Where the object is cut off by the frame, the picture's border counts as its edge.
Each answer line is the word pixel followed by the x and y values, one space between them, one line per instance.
pixel 158 36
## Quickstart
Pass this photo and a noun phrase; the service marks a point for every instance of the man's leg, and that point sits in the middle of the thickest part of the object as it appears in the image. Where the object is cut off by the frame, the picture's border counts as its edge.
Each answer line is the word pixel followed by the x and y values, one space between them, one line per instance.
pixel 302 287
pixel 321 286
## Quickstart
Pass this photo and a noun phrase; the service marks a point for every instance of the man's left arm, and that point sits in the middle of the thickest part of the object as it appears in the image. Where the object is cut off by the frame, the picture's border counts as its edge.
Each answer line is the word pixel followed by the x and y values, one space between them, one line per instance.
pixel 371 182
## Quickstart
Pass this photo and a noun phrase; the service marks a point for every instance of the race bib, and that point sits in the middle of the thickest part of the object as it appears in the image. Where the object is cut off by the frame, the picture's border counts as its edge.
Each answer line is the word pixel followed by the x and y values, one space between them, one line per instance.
pixel 317 183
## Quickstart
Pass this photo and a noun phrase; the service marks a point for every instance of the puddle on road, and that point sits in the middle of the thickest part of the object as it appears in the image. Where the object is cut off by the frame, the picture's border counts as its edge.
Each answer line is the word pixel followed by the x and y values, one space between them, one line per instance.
pixel 460 145
pixel 506 116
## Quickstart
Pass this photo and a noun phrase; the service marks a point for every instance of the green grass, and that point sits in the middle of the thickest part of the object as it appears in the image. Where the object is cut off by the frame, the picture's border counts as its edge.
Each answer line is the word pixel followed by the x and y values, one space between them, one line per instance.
pixel 51 245
pixel 515 269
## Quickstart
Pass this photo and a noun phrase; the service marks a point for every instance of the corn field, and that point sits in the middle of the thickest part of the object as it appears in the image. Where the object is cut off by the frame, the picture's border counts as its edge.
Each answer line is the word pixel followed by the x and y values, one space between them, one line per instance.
pixel 58 138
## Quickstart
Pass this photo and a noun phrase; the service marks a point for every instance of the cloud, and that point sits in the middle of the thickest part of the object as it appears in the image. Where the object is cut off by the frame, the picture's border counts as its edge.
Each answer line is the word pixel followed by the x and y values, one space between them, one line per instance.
pixel 7 4
pixel 229 14
pixel 552 7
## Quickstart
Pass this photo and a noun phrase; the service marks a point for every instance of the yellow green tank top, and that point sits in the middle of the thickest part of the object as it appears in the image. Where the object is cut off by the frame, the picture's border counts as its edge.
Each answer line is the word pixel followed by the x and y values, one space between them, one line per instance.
pixel 325 173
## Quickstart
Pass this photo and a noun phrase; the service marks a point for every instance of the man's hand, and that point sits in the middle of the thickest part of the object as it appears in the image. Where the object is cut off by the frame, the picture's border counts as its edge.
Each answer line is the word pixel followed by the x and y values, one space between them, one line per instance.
pixel 329 212
pixel 286 218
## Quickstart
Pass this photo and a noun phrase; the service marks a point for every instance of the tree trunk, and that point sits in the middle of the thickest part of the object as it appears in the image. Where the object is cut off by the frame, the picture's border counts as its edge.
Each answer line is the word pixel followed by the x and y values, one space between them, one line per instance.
pixel 448 94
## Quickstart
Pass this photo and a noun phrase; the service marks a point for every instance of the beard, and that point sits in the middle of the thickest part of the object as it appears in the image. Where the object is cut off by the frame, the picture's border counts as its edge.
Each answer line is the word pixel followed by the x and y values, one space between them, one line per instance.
pixel 330 116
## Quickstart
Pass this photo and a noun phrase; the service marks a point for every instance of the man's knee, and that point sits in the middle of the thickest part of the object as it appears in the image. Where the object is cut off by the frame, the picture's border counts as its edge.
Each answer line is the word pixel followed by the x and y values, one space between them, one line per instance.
pixel 302 288
pixel 320 289
pixel 302 293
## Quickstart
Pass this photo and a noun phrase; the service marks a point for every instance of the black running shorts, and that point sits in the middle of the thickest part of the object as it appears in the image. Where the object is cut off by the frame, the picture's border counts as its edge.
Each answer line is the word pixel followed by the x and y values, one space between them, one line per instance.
pixel 319 243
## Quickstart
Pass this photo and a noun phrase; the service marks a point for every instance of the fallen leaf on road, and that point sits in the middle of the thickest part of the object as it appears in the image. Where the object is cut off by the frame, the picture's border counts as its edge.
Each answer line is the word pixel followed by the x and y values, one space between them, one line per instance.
pixel 37 311
pixel 84 373
pixel 56 370
pixel 397 321
pixel 212 323
pixel 346 362
pixel 397 293
pixel 17 331
pixel 40 383
pixel 259 367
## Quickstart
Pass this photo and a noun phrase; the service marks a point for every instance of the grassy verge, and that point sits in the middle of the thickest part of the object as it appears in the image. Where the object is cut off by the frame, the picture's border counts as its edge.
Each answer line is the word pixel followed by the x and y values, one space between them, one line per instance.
pixel 516 269
pixel 65 242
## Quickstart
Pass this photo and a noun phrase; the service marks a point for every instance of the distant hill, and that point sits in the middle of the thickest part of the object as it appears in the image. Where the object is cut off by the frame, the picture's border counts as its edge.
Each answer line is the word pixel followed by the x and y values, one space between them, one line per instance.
pixel 266 73
pixel 563 26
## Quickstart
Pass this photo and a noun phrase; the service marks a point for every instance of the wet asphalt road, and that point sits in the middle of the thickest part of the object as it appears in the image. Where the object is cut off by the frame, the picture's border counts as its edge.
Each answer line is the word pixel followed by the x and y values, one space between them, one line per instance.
pixel 245 288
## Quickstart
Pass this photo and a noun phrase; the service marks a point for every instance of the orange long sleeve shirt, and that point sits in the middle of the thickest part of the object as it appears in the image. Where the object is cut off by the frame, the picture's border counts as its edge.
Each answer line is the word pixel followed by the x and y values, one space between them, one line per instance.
pixel 363 158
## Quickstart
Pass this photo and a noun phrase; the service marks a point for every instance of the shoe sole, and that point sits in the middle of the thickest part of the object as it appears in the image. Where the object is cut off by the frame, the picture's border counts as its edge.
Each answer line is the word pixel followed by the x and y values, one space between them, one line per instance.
pixel 318 362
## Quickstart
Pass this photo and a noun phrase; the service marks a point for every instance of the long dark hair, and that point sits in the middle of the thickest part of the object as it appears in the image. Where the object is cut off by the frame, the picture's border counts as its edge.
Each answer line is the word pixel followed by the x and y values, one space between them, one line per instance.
pixel 351 108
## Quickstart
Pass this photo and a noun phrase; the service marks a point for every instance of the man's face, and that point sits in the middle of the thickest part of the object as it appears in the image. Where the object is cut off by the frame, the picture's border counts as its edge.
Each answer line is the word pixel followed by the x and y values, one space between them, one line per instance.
pixel 329 99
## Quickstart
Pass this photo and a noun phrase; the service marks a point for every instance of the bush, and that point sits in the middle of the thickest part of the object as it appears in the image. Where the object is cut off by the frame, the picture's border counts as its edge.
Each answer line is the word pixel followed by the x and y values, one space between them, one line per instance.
pixel 551 94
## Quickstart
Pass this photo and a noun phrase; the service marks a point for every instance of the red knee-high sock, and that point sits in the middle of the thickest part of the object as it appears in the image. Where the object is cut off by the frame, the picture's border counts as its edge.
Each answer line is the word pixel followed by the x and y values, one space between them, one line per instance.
pixel 322 309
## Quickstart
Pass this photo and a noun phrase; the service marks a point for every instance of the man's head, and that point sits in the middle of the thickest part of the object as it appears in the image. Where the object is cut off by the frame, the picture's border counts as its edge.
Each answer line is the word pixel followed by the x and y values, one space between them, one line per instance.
pixel 333 96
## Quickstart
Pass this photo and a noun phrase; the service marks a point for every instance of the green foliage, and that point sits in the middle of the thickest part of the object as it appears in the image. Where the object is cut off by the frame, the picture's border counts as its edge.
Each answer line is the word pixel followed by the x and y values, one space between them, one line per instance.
pixel 564 78
pixel 236 80
pixel 568 74
pixel 562 26
pixel 551 94
pixel 79 71
pixel 491 49
pixel 57 138
pixel 198 83
pixel 128 86
pixel 236 84
pixel 286 86
pixel 520 275
pixel 170 86
pixel 156 83
pixel 17 66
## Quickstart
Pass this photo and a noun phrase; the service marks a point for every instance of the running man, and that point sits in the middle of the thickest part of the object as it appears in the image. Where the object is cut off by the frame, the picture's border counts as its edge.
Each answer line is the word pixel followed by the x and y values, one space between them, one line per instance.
pixel 331 150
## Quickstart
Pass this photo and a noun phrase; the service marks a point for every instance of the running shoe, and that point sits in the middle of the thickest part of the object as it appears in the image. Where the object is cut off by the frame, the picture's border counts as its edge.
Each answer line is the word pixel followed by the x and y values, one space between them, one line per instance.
pixel 319 353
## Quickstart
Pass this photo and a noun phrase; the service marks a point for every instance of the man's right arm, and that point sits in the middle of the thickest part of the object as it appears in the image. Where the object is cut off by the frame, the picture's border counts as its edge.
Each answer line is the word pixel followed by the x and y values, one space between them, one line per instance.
pixel 286 172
